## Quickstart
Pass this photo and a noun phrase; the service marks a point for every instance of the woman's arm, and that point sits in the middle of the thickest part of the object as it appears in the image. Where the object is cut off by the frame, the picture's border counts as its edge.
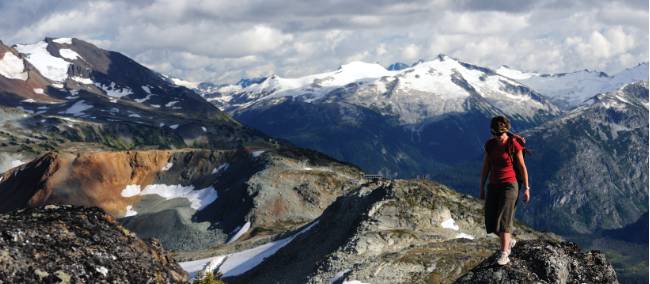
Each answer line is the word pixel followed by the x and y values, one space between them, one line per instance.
pixel 485 170
pixel 524 172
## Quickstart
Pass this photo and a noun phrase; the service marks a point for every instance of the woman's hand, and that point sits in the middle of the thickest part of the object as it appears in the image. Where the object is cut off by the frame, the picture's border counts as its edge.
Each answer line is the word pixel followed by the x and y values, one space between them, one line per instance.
pixel 527 195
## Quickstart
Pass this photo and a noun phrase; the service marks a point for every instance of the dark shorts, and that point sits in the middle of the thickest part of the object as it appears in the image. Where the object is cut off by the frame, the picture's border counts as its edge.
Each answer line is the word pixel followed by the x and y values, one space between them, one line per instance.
pixel 500 207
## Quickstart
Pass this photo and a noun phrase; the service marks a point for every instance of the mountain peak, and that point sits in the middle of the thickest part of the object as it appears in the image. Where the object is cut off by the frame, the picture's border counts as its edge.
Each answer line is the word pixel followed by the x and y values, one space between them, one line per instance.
pixel 361 66
pixel 397 66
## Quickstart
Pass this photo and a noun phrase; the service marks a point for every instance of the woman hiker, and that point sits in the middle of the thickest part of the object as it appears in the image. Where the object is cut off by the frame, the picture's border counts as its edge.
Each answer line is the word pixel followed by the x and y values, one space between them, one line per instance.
pixel 502 154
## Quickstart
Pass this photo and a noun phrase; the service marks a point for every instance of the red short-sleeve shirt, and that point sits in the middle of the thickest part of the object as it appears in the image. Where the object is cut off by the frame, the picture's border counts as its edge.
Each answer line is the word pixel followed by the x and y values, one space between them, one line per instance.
pixel 501 168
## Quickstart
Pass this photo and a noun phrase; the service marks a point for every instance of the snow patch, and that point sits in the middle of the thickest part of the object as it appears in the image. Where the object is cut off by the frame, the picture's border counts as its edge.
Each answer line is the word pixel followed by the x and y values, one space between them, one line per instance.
pixel 198 199
pixel 174 126
pixel 449 224
pixel 242 230
pixel 338 275
pixel 114 91
pixel 464 236
pixel 82 80
pixel 134 115
pixel 16 163
pixel 239 262
pixel 170 104
pixel 131 190
pixel 53 68
pixel 77 108
pixel 39 91
pixel 143 100
pixel 257 153
pixel 130 212
pixel 28 101
pixel 69 54
pixel 12 67
pixel 204 129
pixel 63 40
pixel 222 167
pixel 167 167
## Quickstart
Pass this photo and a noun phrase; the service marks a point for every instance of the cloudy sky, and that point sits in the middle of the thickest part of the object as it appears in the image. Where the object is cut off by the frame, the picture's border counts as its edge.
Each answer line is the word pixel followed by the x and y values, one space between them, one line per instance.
pixel 224 40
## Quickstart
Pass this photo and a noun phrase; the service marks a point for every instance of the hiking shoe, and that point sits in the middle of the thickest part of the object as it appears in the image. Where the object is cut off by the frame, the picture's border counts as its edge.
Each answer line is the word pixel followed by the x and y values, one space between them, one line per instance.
pixel 503 259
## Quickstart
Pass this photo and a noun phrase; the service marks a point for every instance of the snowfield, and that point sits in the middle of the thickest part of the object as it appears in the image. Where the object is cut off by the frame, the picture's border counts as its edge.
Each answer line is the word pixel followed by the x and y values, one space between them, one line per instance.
pixel 568 90
pixel 53 68
pixel 198 199
pixel 69 54
pixel 63 40
pixel 12 67
pixel 239 262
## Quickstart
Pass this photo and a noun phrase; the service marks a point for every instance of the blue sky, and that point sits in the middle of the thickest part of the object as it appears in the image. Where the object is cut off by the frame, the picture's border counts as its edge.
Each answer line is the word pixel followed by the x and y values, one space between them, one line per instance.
pixel 222 41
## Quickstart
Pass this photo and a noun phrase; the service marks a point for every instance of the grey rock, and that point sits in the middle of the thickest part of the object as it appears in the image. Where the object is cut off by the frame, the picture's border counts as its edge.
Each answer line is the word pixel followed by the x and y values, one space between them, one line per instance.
pixel 387 232
pixel 544 261
pixel 78 245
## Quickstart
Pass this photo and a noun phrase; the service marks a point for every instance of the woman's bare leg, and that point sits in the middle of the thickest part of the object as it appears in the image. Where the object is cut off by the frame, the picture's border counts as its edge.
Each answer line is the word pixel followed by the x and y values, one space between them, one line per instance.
pixel 505 241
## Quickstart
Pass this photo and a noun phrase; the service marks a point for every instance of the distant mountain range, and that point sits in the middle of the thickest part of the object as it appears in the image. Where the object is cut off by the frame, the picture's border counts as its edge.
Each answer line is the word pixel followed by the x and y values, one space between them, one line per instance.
pixel 590 166
pixel 568 90
pixel 431 119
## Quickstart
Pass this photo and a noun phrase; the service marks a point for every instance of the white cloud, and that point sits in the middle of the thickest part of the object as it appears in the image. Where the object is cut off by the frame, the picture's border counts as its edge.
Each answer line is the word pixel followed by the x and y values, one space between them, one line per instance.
pixel 222 41
pixel 411 52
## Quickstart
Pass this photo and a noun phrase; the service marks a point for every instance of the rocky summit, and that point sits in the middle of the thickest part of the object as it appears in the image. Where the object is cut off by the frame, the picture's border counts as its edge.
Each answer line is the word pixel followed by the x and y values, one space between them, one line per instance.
pixel 544 261
pixel 65 244
pixel 397 231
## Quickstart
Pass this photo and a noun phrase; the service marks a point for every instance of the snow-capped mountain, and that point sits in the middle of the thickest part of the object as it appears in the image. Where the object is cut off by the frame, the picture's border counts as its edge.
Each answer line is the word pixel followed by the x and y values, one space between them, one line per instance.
pixel 567 90
pixel 425 91
pixel 69 90
pixel 402 123
pixel 591 164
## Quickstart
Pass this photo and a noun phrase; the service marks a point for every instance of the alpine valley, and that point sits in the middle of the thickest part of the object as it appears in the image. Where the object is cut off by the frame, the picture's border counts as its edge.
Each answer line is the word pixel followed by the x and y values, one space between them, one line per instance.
pixel 265 180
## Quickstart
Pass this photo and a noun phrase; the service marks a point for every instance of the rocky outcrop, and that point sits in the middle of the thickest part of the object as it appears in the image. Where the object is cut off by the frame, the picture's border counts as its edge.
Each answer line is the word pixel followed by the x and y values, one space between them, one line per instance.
pixel 544 261
pixel 190 199
pixel 398 231
pixel 65 244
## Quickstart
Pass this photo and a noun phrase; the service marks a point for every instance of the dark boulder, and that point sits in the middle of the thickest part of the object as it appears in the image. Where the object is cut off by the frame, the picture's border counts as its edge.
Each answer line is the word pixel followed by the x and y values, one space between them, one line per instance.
pixel 544 261
pixel 65 244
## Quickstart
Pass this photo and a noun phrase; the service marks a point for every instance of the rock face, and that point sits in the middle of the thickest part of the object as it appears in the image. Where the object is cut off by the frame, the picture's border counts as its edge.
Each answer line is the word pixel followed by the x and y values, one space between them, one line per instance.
pixel 401 231
pixel 189 199
pixel 65 244
pixel 591 165
pixel 544 261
